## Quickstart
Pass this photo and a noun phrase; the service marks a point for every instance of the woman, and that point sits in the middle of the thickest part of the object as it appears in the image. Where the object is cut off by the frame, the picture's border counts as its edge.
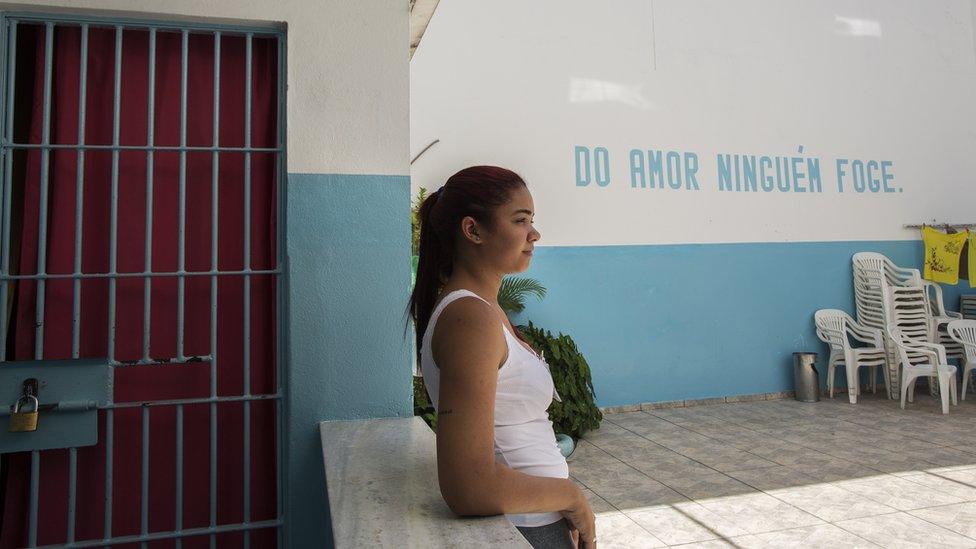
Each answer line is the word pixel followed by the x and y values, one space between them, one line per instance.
pixel 496 450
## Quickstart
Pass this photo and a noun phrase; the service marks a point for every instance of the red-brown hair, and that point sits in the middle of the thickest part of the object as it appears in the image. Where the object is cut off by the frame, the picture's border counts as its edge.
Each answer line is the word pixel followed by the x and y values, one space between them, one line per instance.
pixel 476 192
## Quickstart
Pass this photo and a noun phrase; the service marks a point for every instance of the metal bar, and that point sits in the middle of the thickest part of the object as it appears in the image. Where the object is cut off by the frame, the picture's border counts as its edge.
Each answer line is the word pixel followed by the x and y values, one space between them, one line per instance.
pixel 189 532
pixel 190 401
pixel 42 202
pixel 35 494
pixel 214 236
pixel 150 166
pixel 8 157
pixel 280 233
pixel 79 194
pixel 179 472
pixel 136 148
pixel 68 406
pixel 937 225
pixel 72 492
pixel 141 23
pixel 114 212
pixel 113 257
pixel 181 231
pixel 144 493
pixel 248 61
pixel 50 276
pixel 160 361
pixel 109 432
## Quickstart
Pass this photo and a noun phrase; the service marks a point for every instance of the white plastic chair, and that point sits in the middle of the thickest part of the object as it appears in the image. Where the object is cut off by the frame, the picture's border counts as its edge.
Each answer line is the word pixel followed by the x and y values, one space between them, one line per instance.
pixel 941 317
pixel 873 274
pixel 939 311
pixel 919 310
pixel 835 328
pixel 933 363
pixel 963 332
pixel 873 262
pixel 967 306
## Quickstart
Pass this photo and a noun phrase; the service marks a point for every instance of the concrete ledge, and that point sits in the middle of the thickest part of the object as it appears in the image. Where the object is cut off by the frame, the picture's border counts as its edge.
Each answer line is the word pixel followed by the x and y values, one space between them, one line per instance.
pixel 383 490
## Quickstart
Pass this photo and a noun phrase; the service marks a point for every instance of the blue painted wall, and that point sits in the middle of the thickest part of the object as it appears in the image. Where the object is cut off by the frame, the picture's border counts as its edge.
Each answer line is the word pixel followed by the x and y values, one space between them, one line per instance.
pixel 674 322
pixel 347 280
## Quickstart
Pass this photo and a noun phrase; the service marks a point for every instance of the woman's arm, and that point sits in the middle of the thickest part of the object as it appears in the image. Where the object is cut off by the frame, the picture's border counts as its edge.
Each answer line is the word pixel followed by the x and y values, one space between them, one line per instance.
pixel 469 346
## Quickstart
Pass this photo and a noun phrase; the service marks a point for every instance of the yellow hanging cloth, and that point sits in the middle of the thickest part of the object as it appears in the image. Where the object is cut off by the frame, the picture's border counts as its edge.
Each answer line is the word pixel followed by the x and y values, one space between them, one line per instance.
pixel 972 259
pixel 942 253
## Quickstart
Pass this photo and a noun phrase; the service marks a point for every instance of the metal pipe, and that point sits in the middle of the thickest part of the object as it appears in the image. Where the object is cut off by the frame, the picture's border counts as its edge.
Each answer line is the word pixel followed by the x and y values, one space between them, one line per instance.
pixel 214 236
pixel 109 434
pixel 179 473
pixel 35 495
pixel 181 231
pixel 79 194
pixel 114 211
pixel 937 225
pixel 50 276
pixel 42 205
pixel 113 257
pixel 189 532
pixel 248 62
pixel 7 143
pixel 280 233
pixel 150 167
pixel 160 361
pixel 8 132
pixel 72 492
pixel 63 18
pixel 144 492
pixel 188 401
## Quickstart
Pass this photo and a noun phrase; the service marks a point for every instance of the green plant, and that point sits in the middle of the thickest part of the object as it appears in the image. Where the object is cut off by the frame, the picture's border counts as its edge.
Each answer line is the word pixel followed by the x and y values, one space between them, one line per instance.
pixel 415 221
pixel 421 403
pixel 577 413
pixel 511 294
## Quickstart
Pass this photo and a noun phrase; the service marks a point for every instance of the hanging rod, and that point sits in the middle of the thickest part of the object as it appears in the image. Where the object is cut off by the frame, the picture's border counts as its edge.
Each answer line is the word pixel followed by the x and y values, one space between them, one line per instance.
pixel 933 224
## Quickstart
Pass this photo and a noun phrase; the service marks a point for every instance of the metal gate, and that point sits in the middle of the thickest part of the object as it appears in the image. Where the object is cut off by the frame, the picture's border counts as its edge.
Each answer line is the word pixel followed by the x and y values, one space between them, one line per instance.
pixel 158 253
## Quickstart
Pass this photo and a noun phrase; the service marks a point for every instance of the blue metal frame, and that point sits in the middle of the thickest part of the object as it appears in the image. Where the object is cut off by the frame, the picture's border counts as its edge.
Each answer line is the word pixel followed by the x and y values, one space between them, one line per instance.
pixel 276 31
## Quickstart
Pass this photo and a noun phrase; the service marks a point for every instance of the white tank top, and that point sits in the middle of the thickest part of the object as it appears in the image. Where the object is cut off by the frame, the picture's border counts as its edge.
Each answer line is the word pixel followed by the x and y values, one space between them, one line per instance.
pixel 524 438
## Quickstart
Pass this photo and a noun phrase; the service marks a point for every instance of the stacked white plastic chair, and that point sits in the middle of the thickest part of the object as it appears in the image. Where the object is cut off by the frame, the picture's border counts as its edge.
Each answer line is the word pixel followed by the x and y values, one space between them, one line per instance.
pixel 920 359
pixel 964 333
pixel 835 328
pixel 941 317
pixel 918 309
pixel 967 306
pixel 912 330
pixel 873 273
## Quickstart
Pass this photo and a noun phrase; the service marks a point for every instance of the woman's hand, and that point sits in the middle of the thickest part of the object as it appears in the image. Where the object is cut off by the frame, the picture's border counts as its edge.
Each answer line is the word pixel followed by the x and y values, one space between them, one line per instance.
pixel 582 521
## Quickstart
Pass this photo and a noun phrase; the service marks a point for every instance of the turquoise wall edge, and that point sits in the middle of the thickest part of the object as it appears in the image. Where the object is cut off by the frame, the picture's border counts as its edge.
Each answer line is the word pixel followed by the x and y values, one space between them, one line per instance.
pixel 347 278
pixel 676 322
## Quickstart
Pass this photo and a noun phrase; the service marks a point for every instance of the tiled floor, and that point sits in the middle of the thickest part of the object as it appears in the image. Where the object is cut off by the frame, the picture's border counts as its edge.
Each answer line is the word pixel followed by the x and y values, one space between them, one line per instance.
pixel 784 474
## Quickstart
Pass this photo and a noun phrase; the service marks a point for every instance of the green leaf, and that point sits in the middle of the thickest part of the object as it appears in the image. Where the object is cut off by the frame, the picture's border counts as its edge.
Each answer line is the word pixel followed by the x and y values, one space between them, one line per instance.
pixel 514 289
pixel 577 413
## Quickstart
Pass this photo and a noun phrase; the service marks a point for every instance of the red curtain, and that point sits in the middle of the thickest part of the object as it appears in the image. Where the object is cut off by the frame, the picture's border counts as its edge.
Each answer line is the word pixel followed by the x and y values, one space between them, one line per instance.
pixel 154 382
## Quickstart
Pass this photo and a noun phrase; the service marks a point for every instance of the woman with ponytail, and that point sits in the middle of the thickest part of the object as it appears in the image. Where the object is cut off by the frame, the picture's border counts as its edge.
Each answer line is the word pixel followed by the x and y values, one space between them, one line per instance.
pixel 496 450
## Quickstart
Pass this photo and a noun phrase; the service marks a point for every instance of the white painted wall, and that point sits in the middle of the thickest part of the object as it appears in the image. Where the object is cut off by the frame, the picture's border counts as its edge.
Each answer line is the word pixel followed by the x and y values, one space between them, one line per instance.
pixel 347 110
pixel 519 84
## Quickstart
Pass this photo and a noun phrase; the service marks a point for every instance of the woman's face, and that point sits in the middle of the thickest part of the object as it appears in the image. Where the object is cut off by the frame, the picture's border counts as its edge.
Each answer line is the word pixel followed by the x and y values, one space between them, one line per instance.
pixel 510 242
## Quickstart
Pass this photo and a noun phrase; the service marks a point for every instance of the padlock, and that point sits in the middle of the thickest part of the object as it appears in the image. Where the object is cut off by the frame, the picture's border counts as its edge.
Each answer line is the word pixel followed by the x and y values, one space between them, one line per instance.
pixel 24 422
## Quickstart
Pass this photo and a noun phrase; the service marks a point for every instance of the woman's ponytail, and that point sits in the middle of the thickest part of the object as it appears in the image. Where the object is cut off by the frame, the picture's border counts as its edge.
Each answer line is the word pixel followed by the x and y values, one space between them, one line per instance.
pixel 432 268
